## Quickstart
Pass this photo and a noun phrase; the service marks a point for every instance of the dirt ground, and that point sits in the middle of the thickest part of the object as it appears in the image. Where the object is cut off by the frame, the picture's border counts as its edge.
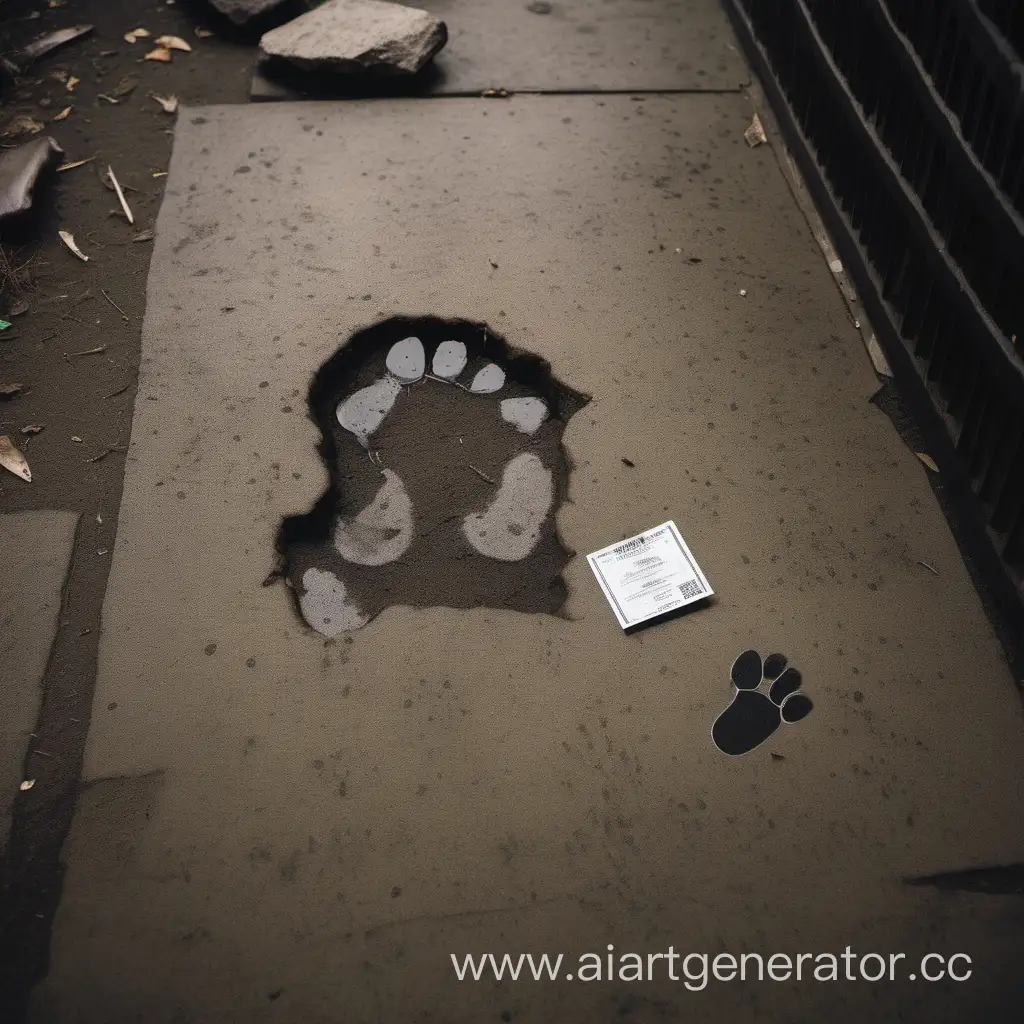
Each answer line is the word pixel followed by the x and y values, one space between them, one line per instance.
pixel 74 307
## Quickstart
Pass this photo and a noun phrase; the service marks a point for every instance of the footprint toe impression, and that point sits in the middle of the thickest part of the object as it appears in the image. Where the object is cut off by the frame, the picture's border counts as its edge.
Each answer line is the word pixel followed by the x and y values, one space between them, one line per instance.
pixel 786 684
pixel 747 671
pixel 753 714
pixel 449 360
pixel 448 496
pixel 488 380
pixel 795 708
pixel 525 414
pixel 407 361
pixel 363 412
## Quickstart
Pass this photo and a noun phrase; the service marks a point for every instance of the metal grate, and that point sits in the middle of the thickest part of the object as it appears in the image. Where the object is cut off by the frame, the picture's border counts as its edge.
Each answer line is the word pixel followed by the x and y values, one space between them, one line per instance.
pixel 910 123
pixel 979 77
pixel 1007 17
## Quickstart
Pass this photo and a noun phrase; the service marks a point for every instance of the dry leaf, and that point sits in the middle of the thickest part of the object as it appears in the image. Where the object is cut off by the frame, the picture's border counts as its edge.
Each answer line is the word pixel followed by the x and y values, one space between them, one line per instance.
pixel 75 163
pixel 69 240
pixel 754 134
pixel 877 356
pixel 32 428
pixel 144 236
pixel 10 390
pixel 26 785
pixel 169 103
pixel 174 43
pixel 137 33
pixel 928 461
pixel 71 83
pixel 23 125
pixel 12 459
pixel 203 33
pixel 64 113
pixel 124 87
pixel 18 307
pixel 161 53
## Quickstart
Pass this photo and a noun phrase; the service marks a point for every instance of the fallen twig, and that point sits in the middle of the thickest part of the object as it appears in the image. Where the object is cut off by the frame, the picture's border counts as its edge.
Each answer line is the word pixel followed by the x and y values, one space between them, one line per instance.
pixel 120 391
pixel 930 568
pixel 441 380
pixel 114 304
pixel 103 454
pixel 90 351
pixel 482 475
pixel 120 195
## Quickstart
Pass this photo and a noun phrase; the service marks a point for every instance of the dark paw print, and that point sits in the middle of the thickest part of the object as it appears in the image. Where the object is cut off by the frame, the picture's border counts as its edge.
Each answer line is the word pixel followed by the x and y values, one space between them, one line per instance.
pixel 766 695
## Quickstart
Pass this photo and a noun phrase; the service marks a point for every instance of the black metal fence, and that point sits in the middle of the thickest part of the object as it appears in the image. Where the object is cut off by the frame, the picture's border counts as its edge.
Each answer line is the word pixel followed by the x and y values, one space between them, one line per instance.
pixel 907 117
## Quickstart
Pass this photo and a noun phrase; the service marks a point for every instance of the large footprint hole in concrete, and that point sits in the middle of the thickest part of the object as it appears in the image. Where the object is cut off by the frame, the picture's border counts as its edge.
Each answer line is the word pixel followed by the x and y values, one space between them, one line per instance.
pixel 444 448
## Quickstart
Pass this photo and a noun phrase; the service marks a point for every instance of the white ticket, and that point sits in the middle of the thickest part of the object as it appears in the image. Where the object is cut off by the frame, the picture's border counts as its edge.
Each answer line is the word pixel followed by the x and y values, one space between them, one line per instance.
pixel 648 575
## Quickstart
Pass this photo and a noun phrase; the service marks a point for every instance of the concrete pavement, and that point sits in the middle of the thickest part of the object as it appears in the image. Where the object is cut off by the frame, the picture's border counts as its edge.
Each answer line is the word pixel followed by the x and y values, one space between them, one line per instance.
pixel 275 828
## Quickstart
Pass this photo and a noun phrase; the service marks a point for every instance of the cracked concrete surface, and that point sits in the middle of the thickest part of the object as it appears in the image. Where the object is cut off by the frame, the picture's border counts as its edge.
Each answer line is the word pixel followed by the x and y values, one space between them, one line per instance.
pixel 335 819
pixel 36 549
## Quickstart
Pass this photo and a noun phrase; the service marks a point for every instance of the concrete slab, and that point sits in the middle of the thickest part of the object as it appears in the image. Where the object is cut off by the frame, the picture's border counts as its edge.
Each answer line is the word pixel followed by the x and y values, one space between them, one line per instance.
pixel 575 46
pixel 36 550
pixel 282 829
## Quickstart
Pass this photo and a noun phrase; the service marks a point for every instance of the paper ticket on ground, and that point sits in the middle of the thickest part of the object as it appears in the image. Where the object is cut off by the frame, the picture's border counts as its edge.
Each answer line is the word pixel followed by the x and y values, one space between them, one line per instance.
pixel 648 575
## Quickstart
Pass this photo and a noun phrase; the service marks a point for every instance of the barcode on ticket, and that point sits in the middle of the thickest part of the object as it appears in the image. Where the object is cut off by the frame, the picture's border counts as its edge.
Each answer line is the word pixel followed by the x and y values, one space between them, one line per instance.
pixel 630 545
pixel 691 588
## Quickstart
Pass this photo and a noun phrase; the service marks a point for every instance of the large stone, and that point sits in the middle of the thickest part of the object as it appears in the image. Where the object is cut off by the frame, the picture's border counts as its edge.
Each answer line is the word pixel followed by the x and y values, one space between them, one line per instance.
pixel 241 12
pixel 364 37
pixel 19 171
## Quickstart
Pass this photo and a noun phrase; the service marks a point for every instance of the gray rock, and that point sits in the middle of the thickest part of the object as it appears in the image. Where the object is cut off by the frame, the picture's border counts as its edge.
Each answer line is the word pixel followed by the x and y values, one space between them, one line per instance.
pixel 51 41
pixel 241 12
pixel 20 169
pixel 362 37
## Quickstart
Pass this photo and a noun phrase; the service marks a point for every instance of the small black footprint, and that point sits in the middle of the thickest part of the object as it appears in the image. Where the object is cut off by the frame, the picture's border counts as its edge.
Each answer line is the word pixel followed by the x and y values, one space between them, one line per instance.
pixel 753 714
